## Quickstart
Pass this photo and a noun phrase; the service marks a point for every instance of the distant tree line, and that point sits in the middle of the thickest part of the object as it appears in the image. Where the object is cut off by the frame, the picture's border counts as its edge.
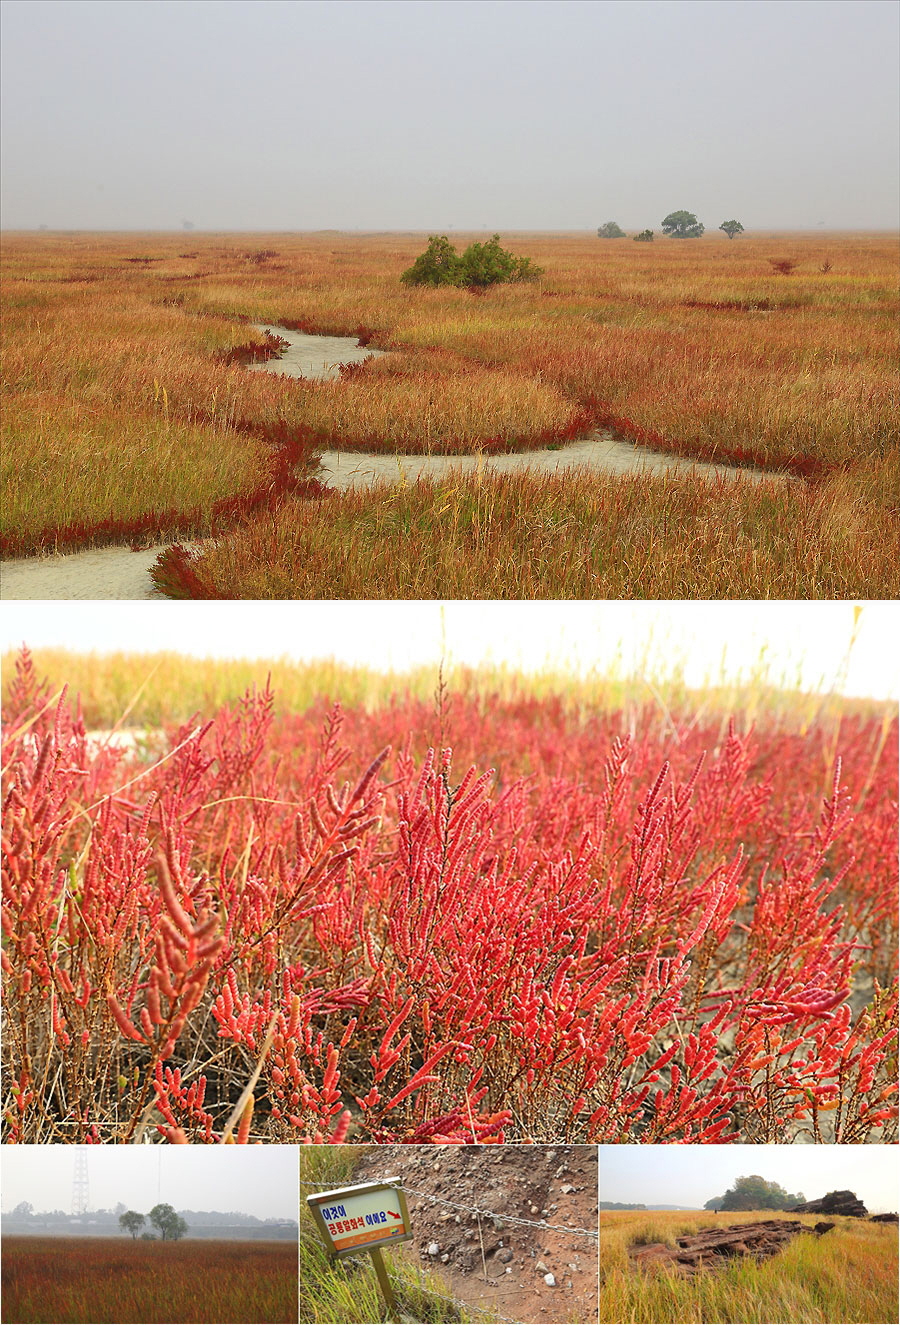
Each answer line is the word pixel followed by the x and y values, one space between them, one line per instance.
pixel 677 225
pixel 619 1205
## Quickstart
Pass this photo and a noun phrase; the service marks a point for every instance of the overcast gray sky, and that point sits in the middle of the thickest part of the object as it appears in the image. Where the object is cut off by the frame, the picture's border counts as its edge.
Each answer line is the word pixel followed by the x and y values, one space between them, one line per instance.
pixel 251 1180
pixel 427 114
pixel 689 1176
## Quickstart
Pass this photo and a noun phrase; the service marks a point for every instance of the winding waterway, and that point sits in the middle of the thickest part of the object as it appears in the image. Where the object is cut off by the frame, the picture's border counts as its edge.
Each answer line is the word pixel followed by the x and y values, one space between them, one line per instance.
pixel 119 573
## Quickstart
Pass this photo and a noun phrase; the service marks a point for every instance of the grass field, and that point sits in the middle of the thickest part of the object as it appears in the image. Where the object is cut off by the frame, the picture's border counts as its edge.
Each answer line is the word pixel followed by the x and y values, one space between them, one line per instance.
pixel 128 414
pixel 848 1275
pixel 102 1280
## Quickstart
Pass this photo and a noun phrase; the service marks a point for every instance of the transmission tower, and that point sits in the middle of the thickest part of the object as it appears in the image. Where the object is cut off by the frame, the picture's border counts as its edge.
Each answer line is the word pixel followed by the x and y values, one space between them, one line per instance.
pixel 80 1192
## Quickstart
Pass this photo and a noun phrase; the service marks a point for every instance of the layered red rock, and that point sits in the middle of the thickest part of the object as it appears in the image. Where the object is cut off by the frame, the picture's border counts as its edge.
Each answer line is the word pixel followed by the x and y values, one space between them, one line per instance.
pixel 710 1248
pixel 835 1203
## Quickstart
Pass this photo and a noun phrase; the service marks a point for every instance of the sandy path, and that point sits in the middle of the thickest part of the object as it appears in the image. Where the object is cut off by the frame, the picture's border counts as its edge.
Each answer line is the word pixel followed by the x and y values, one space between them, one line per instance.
pixel 107 572
pixel 115 572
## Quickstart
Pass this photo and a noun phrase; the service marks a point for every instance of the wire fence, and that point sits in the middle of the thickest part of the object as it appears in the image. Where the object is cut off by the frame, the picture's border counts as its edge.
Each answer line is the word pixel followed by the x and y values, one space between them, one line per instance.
pixel 422 1287
pixel 488 1214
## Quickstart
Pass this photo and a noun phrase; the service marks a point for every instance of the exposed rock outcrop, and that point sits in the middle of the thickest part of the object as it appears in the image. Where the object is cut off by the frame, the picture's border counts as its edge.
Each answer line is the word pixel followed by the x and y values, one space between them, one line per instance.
pixel 711 1248
pixel 835 1203
pixel 883 1219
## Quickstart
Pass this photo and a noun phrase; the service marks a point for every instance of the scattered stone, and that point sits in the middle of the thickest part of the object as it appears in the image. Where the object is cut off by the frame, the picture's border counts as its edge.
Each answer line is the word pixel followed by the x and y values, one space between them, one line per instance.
pixel 549 1281
pixel 434 1249
pixel 504 1255
pixel 567 1189
pixel 541 1267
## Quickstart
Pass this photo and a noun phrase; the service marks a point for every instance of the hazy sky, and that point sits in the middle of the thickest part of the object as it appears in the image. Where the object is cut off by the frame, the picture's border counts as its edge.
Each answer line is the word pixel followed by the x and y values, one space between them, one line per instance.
pixel 802 645
pixel 427 114
pixel 252 1180
pixel 692 1175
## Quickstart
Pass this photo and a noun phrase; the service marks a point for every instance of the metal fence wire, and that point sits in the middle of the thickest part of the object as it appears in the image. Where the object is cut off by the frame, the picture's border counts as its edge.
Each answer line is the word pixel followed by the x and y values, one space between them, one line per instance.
pixel 422 1287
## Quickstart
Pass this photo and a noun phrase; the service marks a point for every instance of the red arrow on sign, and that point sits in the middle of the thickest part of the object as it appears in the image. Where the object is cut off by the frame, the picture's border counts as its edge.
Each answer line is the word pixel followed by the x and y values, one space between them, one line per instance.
pixel 394 1214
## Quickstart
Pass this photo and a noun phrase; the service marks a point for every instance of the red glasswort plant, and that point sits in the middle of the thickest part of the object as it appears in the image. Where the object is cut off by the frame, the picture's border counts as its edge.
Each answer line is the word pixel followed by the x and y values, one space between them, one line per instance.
pixel 679 933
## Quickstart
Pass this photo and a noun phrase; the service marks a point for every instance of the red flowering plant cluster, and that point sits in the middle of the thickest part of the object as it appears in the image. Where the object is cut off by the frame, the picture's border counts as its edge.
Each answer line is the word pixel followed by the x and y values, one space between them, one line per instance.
pixel 626 930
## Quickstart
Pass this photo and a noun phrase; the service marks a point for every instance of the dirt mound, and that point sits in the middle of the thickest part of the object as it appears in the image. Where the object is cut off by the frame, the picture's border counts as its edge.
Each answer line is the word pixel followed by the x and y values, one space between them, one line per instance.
pixel 523 1271
pixel 835 1203
pixel 712 1248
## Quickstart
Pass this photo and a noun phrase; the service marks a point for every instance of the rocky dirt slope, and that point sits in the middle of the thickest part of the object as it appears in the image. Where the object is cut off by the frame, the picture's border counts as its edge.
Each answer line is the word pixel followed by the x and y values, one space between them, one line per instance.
pixel 525 1272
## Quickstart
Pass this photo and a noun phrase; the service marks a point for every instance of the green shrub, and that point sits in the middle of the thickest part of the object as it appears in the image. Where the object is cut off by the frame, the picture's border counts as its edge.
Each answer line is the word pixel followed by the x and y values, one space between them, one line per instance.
pixel 480 265
pixel 440 264
pixel 645 237
pixel 610 230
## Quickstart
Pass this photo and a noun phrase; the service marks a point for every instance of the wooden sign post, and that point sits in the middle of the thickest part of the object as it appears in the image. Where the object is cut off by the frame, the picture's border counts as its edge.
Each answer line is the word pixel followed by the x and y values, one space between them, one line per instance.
pixel 366 1217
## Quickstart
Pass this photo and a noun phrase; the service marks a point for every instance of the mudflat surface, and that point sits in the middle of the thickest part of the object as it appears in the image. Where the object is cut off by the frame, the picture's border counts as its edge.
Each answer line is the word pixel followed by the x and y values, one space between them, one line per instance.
pixel 599 453
pixel 108 572
pixel 490 1261
pixel 312 356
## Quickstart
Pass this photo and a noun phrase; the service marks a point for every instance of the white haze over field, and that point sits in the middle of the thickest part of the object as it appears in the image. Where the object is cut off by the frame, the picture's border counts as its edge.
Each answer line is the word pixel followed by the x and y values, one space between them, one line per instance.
pixel 250 1180
pixel 689 1176
pixel 816 647
pixel 437 114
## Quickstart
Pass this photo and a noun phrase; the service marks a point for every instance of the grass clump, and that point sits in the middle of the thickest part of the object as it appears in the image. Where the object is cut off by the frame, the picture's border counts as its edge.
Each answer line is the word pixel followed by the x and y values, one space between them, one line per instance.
pixel 574 536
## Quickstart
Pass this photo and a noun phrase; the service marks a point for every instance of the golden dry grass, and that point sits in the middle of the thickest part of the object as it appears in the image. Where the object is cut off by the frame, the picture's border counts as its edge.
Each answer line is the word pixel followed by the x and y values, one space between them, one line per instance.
pixel 849 1275
pixel 567 536
pixel 120 407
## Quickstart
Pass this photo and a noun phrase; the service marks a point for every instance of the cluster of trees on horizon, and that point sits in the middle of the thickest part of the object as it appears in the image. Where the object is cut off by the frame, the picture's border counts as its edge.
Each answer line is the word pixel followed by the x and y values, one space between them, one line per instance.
pixel 755 1193
pixel 164 1219
pixel 677 225
pixel 751 1193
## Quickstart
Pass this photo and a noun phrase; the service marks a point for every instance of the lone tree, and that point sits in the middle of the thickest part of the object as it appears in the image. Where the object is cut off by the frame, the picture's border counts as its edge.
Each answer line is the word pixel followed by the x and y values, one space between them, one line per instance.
pixel 480 265
pixel 645 237
pixel 732 228
pixel 682 225
pixel 171 1226
pixel 755 1193
pixel 610 230
pixel 131 1222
